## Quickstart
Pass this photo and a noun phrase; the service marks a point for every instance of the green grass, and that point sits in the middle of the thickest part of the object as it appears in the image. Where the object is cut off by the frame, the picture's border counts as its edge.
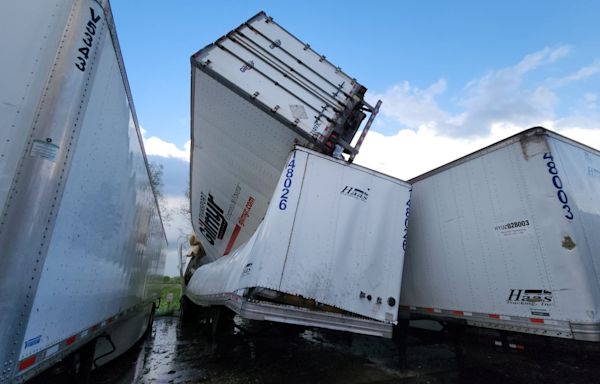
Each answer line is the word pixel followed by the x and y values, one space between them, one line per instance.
pixel 172 308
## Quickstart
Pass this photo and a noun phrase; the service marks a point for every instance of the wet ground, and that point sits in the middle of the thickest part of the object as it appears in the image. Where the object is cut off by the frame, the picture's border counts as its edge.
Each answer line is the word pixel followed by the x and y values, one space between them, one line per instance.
pixel 262 353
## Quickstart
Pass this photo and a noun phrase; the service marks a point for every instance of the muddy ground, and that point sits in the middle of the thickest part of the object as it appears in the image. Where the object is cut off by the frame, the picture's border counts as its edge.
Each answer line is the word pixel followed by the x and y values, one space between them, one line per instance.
pixel 266 354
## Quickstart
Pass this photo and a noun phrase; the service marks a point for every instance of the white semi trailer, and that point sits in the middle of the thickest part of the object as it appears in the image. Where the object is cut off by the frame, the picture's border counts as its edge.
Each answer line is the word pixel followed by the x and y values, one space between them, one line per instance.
pixel 290 233
pixel 80 230
pixel 507 238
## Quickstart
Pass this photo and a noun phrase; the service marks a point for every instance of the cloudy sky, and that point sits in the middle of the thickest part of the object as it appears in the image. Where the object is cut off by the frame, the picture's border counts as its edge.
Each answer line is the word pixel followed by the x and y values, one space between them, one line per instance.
pixel 453 76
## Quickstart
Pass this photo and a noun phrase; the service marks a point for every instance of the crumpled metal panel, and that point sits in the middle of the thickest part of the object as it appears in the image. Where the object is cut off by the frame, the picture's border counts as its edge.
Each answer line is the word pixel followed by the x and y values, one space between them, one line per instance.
pixel 333 233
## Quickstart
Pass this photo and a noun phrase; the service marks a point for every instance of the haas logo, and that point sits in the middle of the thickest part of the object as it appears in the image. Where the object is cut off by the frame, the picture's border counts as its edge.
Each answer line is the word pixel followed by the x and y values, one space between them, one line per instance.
pixel 530 297
pixel 356 193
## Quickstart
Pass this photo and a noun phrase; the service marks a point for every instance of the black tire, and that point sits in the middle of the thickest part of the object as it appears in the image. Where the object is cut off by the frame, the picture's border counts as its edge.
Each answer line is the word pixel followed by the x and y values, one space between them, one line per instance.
pixel 150 321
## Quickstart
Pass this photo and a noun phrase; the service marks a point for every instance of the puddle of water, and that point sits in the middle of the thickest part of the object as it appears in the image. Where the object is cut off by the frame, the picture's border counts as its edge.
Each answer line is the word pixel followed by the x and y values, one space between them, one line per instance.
pixel 258 352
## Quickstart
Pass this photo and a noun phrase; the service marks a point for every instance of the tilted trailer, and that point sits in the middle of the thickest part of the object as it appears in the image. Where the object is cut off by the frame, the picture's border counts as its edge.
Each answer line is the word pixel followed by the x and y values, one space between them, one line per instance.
pixel 271 123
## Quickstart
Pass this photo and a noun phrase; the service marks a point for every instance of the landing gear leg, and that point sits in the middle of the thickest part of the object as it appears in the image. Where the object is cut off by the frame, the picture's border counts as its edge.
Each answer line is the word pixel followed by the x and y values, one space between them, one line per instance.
pixel 222 325
pixel 400 335
pixel 457 332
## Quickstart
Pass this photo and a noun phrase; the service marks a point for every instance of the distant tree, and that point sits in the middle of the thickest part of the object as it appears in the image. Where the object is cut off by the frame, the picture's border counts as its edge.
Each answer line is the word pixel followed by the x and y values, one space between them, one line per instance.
pixel 166 279
pixel 156 180
pixel 186 208
pixel 156 177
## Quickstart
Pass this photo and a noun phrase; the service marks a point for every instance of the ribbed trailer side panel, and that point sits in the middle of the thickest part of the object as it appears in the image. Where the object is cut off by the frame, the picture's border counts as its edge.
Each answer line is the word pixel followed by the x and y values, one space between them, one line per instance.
pixel 500 238
pixel 24 74
pixel 107 231
pixel 278 71
pixel 237 156
pixel 81 234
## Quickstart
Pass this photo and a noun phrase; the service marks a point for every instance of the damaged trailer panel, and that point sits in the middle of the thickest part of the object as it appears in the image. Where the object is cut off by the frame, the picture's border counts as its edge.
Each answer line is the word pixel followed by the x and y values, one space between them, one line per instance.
pixel 331 242
pixel 507 238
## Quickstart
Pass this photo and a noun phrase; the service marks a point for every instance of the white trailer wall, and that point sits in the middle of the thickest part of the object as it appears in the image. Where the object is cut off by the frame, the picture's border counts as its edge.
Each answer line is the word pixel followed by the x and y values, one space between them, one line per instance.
pixel 80 233
pixel 26 64
pixel 491 241
pixel 333 233
pixel 108 232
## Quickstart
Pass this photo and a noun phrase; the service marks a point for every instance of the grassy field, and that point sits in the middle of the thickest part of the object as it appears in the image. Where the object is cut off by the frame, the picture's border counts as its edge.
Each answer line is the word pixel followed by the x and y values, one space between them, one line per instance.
pixel 169 286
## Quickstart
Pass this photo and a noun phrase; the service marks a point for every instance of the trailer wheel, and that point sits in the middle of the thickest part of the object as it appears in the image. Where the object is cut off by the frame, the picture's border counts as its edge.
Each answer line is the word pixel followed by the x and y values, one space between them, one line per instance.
pixel 79 364
pixel 190 313
pixel 184 310
pixel 150 321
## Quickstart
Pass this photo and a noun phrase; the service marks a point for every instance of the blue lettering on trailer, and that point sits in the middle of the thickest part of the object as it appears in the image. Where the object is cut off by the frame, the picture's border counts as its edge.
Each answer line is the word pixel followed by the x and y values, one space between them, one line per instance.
pixel 287 183
pixel 557 182
pixel 33 341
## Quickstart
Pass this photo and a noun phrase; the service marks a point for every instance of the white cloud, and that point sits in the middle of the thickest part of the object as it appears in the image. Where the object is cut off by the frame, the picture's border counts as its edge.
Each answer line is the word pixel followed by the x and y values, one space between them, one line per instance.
pixel 158 147
pixel 495 106
pixel 587 136
pixel 498 97
pixel 580 74
pixel 411 106
pixel 410 153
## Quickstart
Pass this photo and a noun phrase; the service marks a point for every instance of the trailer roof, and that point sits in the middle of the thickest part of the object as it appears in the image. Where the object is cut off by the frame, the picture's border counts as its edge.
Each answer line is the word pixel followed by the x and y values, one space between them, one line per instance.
pixel 535 131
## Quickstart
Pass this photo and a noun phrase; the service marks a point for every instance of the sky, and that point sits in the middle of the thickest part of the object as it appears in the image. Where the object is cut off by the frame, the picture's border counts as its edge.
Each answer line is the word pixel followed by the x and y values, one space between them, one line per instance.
pixel 453 76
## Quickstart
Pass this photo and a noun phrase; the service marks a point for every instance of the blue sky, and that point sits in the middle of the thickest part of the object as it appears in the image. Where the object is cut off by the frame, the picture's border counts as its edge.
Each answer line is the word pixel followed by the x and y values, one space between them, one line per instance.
pixel 453 76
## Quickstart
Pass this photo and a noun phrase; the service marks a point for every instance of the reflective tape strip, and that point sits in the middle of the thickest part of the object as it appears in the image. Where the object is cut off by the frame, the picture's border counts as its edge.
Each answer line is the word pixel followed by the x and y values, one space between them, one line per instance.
pixel 27 362
pixel 62 345
pixel 491 316
pixel 71 340
pixel 51 351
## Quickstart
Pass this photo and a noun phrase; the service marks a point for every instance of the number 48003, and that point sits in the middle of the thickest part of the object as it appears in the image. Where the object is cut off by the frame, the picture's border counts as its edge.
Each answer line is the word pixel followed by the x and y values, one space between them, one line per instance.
pixel 558 184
